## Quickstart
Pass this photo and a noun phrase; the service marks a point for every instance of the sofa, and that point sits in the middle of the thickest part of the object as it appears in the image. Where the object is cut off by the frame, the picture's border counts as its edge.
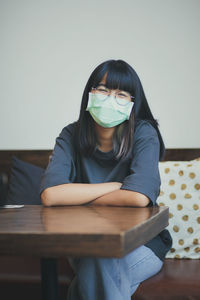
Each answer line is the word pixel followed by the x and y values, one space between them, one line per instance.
pixel 179 278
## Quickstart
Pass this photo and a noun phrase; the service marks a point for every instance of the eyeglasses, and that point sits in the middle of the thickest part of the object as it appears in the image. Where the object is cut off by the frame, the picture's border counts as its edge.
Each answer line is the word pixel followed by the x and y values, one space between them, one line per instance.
pixel 121 97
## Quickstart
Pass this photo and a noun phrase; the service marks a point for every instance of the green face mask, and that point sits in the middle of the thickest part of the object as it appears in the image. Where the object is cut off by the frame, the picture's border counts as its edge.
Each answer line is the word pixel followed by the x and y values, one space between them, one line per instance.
pixel 109 112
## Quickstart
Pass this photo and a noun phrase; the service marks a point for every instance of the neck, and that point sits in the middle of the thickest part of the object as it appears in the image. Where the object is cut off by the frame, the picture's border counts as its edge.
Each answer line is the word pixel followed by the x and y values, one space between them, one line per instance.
pixel 105 137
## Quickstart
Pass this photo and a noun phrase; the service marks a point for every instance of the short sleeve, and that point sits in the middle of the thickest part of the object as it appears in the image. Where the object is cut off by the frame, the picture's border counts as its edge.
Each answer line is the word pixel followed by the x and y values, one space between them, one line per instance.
pixel 61 168
pixel 144 171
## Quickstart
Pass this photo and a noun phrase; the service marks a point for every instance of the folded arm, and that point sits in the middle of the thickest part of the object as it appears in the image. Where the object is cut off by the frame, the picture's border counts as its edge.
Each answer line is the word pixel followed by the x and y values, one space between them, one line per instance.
pixel 76 193
pixel 93 194
pixel 122 198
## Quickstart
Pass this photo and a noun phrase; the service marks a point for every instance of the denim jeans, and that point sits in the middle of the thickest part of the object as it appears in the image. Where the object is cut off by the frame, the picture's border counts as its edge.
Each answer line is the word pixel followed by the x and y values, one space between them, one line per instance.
pixel 100 278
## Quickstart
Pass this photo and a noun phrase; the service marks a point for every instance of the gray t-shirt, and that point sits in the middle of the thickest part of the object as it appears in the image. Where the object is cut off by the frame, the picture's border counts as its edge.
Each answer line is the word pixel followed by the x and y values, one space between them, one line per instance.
pixel 138 173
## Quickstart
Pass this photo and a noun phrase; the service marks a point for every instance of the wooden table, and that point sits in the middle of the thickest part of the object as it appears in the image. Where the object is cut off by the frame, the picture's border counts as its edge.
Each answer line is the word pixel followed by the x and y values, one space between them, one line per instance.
pixel 102 231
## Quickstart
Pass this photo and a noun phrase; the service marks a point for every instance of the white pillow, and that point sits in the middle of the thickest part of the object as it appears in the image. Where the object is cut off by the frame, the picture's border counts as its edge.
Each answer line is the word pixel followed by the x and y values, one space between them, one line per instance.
pixel 180 191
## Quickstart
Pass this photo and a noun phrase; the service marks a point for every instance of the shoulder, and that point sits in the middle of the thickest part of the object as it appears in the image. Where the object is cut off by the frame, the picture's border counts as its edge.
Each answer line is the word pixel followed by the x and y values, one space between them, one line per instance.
pixel 145 134
pixel 68 131
pixel 144 128
pixel 66 137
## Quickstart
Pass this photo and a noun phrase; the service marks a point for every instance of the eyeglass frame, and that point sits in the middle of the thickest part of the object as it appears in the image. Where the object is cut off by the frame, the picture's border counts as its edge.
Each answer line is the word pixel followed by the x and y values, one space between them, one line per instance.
pixel 115 96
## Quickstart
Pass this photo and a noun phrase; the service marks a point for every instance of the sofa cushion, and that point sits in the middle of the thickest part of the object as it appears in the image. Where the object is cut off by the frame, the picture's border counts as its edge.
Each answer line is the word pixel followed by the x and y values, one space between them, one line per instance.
pixel 180 191
pixel 178 279
pixel 24 183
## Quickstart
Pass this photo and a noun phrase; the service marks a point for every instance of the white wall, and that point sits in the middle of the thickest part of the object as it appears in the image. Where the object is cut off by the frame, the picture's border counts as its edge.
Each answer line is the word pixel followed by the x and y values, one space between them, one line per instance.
pixel 49 49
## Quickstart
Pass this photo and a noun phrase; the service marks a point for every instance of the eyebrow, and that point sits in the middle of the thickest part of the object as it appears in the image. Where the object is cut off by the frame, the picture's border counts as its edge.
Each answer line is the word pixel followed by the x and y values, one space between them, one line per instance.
pixel 103 84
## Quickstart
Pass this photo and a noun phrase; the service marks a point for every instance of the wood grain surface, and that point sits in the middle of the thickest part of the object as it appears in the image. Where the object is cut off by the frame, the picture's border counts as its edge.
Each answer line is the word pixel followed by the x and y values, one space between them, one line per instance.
pixel 78 230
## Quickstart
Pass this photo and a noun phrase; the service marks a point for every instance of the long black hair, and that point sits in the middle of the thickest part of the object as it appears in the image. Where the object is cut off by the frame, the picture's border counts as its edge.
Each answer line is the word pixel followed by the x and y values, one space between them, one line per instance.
pixel 120 75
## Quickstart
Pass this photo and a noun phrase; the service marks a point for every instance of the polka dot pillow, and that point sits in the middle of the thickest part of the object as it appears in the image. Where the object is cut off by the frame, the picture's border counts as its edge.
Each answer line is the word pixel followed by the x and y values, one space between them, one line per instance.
pixel 180 191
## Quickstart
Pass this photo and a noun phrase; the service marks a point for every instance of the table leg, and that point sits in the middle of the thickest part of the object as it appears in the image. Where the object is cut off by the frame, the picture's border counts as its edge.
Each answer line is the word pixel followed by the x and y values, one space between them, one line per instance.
pixel 49 278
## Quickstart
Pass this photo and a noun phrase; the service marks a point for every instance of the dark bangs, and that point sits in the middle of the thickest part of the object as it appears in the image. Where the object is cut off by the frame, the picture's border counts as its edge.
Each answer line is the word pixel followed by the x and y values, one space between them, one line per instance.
pixel 119 76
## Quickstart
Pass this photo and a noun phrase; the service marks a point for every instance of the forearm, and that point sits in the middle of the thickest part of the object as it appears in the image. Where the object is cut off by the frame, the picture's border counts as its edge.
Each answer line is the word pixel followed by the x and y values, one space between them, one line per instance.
pixel 122 198
pixel 76 193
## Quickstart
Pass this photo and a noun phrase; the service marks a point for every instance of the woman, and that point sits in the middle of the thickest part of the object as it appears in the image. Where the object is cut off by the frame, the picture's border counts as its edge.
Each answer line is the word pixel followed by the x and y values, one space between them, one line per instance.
pixel 110 157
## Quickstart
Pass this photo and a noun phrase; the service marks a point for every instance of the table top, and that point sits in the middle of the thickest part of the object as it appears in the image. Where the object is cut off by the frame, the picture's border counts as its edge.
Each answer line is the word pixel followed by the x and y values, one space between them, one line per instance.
pixel 103 231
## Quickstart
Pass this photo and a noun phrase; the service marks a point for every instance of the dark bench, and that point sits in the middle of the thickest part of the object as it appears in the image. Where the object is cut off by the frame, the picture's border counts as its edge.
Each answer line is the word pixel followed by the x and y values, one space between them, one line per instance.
pixel 20 276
